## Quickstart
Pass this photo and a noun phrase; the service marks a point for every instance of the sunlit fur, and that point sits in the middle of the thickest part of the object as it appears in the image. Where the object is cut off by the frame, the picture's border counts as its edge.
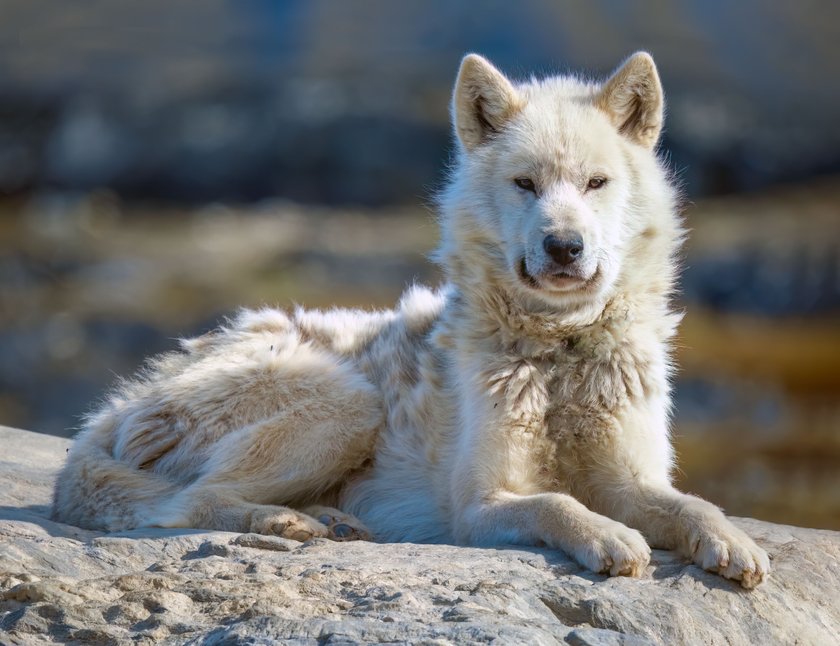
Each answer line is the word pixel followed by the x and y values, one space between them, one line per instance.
pixel 512 405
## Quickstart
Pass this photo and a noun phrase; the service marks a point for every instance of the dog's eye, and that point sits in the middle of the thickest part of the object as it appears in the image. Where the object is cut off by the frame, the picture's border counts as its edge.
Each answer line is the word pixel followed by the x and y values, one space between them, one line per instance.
pixel 526 184
pixel 596 182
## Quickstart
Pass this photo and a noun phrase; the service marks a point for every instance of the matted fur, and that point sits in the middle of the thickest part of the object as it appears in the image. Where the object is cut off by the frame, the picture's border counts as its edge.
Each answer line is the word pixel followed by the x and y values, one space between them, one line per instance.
pixel 522 402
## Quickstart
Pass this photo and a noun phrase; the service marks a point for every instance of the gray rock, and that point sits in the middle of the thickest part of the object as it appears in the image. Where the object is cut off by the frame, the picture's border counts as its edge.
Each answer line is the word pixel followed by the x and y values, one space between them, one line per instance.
pixel 64 584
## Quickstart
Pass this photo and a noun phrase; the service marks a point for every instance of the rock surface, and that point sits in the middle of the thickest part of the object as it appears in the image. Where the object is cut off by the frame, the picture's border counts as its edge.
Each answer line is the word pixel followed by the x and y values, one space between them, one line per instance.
pixel 61 584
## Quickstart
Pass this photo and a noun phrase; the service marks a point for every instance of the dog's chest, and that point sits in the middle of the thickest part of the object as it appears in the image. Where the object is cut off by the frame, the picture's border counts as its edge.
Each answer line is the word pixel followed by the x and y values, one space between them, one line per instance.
pixel 597 373
pixel 571 398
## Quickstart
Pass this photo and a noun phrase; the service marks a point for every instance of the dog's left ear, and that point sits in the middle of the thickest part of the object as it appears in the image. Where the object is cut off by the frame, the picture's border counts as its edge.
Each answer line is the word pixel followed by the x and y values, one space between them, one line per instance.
pixel 483 101
pixel 634 101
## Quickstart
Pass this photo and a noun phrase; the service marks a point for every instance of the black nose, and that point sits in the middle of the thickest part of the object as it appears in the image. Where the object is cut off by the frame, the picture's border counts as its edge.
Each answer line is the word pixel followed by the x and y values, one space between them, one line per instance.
pixel 564 251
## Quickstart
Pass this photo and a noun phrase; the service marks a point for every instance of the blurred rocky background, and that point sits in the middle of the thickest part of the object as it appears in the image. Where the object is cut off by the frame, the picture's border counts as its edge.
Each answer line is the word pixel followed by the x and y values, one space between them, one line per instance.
pixel 162 163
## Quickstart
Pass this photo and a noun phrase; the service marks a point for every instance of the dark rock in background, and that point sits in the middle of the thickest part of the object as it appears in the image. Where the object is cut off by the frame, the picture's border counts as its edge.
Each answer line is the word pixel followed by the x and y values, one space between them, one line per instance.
pixel 347 102
pixel 759 282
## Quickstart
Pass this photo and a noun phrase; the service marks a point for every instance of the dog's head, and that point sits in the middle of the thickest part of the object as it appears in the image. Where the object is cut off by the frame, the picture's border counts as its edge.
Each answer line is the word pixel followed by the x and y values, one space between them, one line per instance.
pixel 555 176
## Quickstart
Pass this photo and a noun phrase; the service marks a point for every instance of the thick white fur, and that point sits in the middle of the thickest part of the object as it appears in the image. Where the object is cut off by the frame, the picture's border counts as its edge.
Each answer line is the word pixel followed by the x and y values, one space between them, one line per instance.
pixel 512 405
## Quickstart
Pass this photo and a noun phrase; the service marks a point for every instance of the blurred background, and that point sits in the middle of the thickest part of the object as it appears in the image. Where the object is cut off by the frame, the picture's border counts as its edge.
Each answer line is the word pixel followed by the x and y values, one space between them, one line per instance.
pixel 163 163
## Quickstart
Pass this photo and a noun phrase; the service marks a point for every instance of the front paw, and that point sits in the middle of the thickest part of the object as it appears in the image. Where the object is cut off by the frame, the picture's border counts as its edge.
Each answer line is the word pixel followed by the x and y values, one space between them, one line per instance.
pixel 607 546
pixel 720 547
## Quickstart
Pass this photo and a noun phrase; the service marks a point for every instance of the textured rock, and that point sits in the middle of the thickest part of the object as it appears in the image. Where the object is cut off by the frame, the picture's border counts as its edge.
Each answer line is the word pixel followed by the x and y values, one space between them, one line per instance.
pixel 63 584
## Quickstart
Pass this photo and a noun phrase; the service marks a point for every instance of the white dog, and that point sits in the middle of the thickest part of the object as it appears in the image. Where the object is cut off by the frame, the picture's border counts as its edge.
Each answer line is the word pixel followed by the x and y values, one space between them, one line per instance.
pixel 526 401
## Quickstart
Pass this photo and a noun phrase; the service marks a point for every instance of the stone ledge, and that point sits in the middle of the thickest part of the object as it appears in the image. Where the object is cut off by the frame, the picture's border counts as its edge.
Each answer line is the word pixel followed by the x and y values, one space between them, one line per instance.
pixel 60 583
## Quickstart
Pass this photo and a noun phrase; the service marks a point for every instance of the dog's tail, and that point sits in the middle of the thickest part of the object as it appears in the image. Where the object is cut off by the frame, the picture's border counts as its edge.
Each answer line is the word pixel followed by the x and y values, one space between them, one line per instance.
pixel 95 490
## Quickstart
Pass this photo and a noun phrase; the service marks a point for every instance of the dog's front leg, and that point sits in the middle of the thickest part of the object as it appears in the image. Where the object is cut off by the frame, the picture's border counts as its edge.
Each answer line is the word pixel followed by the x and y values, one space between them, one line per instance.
pixel 558 521
pixel 632 484
pixel 696 529
pixel 497 496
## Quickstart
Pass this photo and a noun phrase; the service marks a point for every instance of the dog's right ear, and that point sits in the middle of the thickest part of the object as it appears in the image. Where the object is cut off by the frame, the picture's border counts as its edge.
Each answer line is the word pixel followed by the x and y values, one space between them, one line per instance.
pixel 483 101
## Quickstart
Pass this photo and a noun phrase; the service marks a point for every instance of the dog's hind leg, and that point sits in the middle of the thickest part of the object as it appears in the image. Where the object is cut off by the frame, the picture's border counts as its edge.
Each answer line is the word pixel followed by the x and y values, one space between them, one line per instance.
pixel 255 473
pixel 219 507
pixel 225 444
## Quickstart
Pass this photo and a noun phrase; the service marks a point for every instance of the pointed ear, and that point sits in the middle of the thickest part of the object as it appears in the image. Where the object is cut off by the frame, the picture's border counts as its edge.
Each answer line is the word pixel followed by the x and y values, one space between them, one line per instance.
pixel 483 101
pixel 634 101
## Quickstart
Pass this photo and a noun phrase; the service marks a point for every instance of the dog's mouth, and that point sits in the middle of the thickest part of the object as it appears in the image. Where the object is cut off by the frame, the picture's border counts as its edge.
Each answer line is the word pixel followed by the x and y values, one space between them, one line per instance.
pixel 557 282
pixel 524 276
